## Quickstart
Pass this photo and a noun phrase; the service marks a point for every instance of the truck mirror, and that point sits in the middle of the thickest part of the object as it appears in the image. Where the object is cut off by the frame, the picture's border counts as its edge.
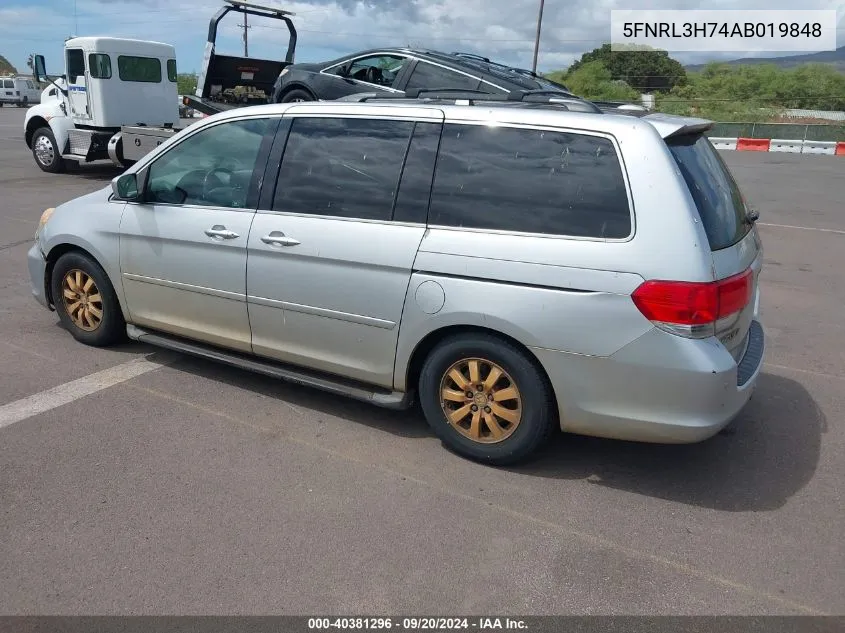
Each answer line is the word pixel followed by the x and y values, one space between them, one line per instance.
pixel 125 187
pixel 39 69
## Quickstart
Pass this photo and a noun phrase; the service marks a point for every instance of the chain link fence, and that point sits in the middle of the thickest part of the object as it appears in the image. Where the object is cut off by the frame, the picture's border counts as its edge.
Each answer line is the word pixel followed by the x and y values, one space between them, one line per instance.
pixel 792 131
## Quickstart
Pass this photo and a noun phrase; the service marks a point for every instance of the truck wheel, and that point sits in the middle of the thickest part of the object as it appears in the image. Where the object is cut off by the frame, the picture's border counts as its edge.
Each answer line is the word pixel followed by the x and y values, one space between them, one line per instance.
pixel 486 399
pixel 24 103
pixel 46 151
pixel 297 95
pixel 86 302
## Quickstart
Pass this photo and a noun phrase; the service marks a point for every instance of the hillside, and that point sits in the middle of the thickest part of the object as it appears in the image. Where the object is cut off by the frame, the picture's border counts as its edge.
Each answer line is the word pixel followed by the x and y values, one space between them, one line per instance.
pixel 834 58
pixel 6 68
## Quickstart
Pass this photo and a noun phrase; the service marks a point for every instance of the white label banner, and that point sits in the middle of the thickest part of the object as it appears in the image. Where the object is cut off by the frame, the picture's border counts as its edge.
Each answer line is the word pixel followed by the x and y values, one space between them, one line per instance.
pixel 730 30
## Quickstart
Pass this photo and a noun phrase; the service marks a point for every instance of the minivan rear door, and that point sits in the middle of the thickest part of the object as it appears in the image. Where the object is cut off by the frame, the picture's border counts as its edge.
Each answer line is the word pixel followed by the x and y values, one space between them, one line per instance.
pixel 729 225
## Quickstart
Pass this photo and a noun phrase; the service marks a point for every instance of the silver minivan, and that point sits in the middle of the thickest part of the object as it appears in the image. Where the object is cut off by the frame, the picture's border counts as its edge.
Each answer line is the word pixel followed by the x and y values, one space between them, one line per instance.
pixel 513 267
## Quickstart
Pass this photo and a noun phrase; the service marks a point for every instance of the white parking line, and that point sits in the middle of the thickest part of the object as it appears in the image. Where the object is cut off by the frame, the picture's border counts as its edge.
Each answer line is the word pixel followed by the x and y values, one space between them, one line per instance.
pixel 802 228
pixel 64 394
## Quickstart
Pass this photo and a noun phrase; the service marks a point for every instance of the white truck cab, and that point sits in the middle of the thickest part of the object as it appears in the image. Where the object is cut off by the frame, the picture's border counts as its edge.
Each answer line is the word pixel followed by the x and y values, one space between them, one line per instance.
pixel 108 85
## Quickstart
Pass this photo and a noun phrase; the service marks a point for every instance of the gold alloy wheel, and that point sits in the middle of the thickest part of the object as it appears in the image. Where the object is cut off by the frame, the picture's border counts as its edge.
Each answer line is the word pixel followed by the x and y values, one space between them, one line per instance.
pixel 480 400
pixel 82 300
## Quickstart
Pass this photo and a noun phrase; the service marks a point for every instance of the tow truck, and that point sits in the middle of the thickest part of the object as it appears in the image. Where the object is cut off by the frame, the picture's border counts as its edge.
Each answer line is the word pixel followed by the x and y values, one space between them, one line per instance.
pixel 118 99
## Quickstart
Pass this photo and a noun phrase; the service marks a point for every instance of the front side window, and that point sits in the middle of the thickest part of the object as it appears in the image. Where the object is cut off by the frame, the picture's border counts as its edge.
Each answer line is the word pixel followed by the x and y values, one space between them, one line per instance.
pixel 347 168
pixel 429 77
pixel 143 69
pixel 75 64
pixel 100 65
pixel 380 70
pixel 214 167
pixel 171 70
pixel 30 85
pixel 533 181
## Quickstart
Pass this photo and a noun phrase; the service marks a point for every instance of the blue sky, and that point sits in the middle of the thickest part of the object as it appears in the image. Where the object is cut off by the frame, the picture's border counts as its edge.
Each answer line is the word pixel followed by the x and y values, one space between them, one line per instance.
pixel 501 29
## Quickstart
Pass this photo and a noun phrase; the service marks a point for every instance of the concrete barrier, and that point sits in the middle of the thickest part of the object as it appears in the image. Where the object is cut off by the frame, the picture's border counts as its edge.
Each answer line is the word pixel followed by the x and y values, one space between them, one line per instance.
pixel 723 143
pixel 819 147
pixel 753 144
pixel 786 145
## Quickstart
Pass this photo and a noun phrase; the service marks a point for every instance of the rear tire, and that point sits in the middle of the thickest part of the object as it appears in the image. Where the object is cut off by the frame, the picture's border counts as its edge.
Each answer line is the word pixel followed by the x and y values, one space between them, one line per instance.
pixel 297 95
pixel 499 404
pixel 46 151
pixel 86 302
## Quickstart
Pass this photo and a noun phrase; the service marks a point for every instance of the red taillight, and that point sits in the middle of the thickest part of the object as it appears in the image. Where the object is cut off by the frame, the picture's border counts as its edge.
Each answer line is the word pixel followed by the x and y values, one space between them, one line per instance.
pixel 687 303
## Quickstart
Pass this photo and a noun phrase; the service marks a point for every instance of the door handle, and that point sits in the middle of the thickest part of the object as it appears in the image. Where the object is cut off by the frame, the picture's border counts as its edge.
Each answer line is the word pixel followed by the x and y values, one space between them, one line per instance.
pixel 218 231
pixel 277 238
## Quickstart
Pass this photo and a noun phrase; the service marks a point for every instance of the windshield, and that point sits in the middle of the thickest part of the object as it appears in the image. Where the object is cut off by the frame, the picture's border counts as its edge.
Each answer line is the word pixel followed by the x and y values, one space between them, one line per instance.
pixel 716 194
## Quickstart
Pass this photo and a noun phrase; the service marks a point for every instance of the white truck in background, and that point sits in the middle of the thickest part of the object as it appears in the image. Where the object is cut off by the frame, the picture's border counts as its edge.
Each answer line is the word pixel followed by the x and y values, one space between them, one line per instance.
pixel 111 87
pixel 118 97
pixel 19 91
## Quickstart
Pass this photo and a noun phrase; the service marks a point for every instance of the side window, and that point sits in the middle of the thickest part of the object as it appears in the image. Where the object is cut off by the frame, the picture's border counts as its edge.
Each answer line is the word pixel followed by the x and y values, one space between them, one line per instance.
pixel 75 64
pixel 415 187
pixel 144 69
pixel 381 70
pixel 342 167
pixel 8 83
pixel 171 70
pixel 100 65
pixel 30 85
pixel 429 76
pixel 213 167
pixel 534 181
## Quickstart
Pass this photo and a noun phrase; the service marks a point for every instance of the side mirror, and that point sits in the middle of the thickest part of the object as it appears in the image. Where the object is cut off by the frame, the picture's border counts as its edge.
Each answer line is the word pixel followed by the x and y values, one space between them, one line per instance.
pixel 125 187
pixel 39 69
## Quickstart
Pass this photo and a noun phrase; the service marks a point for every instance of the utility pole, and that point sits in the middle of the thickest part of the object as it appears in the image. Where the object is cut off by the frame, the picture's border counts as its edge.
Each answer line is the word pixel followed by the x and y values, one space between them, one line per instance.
pixel 245 27
pixel 537 39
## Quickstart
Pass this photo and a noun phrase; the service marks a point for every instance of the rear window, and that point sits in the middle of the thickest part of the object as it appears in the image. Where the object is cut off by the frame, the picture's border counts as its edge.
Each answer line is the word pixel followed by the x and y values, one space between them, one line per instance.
pixel 145 69
pixel 715 192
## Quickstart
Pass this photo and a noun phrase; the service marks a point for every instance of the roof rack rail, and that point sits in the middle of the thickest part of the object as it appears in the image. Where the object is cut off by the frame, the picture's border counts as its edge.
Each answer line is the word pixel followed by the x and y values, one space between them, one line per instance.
pixel 472 56
pixel 472 97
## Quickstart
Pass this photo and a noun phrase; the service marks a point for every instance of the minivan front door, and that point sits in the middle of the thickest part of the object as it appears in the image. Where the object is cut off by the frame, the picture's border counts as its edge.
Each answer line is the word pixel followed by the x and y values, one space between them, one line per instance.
pixel 183 249
pixel 332 251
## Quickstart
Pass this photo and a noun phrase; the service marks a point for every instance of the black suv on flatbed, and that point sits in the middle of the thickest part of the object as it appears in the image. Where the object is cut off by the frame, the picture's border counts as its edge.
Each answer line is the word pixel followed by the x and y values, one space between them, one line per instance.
pixel 395 70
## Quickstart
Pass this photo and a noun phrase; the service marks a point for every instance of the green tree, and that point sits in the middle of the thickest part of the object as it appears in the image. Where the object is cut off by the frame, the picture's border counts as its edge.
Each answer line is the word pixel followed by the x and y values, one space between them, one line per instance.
pixel 186 83
pixel 594 81
pixel 643 68
pixel 6 67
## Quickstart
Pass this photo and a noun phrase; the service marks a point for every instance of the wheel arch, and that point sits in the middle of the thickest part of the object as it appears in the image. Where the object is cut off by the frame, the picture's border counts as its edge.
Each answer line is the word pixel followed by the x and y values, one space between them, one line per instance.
pixel 62 248
pixel 35 123
pixel 433 338
pixel 295 85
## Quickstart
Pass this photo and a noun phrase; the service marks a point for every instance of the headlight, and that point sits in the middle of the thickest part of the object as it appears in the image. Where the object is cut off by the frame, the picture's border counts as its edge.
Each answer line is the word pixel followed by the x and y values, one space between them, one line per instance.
pixel 45 217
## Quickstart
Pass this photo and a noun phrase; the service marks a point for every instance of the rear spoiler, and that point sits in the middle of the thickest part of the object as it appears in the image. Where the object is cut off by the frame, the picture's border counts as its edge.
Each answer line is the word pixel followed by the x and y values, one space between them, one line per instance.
pixel 670 125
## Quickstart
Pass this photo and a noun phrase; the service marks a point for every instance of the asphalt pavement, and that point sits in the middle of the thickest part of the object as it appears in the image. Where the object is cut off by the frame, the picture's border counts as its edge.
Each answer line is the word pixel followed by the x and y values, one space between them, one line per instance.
pixel 194 488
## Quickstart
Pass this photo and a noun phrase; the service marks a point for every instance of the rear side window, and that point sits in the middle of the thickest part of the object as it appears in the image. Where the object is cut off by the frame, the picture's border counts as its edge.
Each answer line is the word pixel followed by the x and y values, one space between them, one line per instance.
pixel 429 76
pixel 533 181
pixel 100 65
pixel 171 70
pixel 347 168
pixel 8 83
pixel 713 189
pixel 144 69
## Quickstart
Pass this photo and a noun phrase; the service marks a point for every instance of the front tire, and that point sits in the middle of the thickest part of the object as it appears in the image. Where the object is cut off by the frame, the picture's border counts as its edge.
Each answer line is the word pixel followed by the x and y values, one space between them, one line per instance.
pixel 46 151
pixel 86 302
pixel 486 399
pixel 297 95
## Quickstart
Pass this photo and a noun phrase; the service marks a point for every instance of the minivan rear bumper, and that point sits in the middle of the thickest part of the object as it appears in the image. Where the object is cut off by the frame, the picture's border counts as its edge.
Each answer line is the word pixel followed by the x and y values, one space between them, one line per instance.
pixel 660 388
